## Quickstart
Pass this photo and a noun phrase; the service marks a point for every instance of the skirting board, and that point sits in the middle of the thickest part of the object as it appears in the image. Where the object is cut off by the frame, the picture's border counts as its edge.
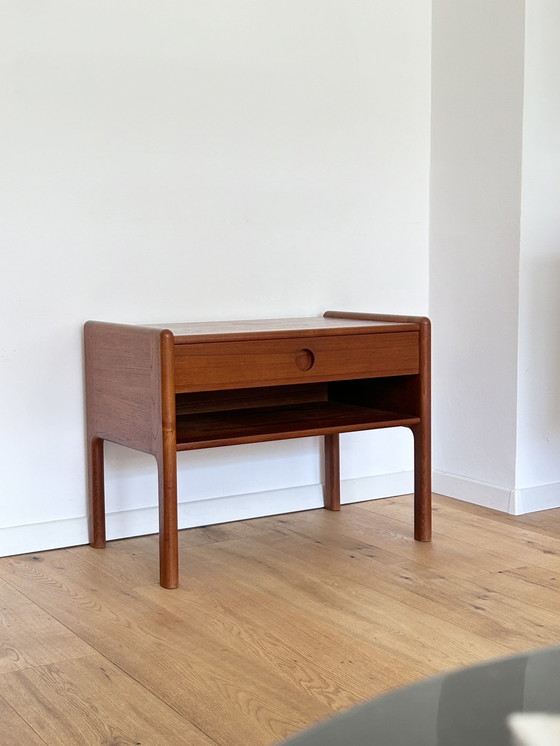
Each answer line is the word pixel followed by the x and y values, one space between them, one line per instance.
pixel 512 501
pixel 36 537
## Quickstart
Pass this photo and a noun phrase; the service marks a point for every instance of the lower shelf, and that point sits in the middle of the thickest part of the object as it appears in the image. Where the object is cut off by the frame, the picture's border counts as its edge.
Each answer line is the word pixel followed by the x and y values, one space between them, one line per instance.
pixel 255 425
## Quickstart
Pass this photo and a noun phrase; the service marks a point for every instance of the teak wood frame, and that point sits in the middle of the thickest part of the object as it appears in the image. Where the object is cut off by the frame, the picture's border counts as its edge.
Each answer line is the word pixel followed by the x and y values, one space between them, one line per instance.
pixel 161 391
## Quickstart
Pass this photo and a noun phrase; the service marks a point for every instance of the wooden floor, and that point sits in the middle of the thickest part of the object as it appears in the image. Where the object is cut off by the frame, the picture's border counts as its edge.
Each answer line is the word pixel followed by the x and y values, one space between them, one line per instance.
pixel 278 623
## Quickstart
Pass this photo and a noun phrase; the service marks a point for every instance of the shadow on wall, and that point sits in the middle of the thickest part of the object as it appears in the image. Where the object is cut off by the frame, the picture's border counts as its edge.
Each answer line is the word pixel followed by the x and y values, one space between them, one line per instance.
pixel 539 349
pixel 553 298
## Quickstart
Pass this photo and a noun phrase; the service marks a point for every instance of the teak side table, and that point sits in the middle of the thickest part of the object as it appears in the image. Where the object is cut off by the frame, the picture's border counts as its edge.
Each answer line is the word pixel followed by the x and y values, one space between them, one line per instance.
pixel 165 388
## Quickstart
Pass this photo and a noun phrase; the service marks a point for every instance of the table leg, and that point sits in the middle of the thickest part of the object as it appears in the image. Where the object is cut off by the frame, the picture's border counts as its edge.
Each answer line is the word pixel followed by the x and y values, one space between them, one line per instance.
pixel 96 492
pixel 332 472
pixel 422 483
pixel 168 524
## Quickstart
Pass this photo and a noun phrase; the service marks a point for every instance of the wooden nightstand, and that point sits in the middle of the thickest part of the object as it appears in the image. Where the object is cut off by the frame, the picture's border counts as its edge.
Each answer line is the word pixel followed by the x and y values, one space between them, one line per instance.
pixel 165 388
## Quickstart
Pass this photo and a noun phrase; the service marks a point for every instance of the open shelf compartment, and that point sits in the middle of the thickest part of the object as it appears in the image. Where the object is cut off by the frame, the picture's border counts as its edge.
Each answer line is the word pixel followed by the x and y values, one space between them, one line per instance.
pixel 258 424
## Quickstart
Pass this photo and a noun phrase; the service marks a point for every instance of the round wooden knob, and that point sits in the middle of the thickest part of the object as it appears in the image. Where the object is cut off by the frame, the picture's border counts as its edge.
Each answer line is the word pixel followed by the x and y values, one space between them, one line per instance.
pixel 305 359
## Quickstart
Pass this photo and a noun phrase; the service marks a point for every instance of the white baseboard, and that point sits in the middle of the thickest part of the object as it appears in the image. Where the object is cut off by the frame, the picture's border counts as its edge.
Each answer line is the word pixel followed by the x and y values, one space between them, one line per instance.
pixel 512 501
pixel 36 537
pixel 532 499
pixel 472 491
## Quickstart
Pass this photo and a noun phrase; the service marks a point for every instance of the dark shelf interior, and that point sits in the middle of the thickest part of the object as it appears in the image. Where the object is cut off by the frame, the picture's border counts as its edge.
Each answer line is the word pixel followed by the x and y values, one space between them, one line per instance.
pixel 257 424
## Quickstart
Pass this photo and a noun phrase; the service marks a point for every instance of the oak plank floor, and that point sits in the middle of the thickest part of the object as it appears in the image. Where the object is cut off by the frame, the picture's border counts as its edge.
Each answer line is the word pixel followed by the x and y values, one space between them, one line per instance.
pixel 31 637
pixel 89 700
pixel 15 730
pixel 279 622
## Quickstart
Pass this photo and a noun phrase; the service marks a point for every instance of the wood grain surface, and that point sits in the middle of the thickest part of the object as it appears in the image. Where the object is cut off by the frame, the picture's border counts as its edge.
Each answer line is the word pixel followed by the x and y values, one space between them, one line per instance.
pixel 213 366
pixel 280 621
pixel 310 326
pixel 344 372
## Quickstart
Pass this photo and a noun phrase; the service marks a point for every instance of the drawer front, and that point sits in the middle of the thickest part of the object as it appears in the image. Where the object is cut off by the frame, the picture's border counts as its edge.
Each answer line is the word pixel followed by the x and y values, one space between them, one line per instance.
pixel 221 365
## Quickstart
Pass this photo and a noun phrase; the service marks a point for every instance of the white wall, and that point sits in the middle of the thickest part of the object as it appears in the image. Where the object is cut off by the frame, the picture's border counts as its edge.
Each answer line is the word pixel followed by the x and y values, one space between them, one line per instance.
pixel 538 432
pixel 495 262
pixel 189 160
pixel 477 111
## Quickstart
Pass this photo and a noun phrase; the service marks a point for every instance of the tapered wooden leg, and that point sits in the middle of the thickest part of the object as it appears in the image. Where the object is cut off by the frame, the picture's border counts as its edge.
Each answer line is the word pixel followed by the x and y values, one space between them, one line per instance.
pixel 332 472
pixel 422 483
pixel 168 525
pixel 96 493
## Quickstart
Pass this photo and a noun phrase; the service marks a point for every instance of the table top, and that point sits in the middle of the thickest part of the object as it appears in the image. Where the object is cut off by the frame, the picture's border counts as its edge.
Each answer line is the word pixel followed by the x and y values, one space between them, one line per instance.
pixel 308 326
pixel 468 707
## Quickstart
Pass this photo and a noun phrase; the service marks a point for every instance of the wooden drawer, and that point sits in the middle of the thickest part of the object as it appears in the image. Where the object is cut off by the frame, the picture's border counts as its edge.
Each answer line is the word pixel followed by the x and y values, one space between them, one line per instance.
pixel 217 365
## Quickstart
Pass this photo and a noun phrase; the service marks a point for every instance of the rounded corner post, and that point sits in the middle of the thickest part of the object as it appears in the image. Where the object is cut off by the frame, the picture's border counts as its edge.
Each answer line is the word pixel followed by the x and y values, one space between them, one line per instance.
pixel 423 441
pixel 167 467
pixel 95 448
